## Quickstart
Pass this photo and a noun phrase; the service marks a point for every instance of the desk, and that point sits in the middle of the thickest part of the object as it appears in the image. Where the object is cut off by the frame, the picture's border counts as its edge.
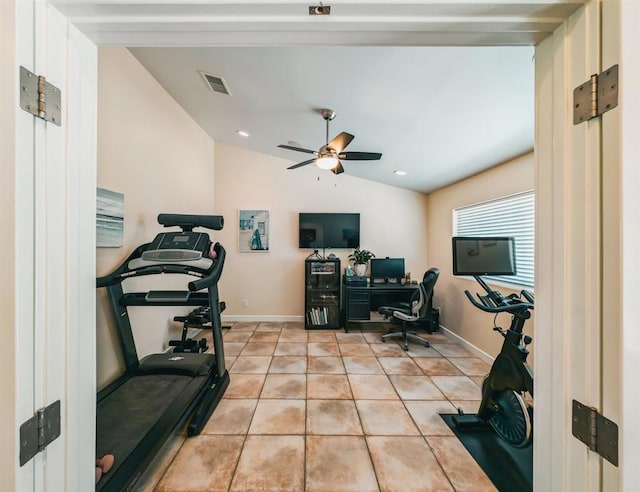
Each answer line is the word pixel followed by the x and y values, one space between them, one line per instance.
pixel 360 299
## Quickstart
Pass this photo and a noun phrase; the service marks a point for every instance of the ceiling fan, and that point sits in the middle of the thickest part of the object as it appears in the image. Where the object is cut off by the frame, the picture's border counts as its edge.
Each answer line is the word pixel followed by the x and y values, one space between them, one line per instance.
pixel 330 154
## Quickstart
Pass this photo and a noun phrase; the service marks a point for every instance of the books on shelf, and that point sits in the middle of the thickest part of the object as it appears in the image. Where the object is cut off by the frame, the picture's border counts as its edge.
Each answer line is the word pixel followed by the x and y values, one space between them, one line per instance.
pixel 318 316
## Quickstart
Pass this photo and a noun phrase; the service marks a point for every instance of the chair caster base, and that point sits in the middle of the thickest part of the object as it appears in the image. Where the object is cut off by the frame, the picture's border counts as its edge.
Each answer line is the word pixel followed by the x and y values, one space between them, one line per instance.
pixel 406 338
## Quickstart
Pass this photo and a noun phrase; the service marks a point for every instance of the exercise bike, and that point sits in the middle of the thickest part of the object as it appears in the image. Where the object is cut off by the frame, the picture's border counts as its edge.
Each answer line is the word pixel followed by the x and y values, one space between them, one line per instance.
pixel 503 405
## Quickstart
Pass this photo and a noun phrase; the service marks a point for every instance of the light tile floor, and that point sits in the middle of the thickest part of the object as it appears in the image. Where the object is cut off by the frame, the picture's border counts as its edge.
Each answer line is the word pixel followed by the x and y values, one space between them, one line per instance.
pixel 329 411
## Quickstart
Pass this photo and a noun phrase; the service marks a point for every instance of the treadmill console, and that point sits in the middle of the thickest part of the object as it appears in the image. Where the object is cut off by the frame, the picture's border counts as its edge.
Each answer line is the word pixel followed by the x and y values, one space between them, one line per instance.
pixel 177 246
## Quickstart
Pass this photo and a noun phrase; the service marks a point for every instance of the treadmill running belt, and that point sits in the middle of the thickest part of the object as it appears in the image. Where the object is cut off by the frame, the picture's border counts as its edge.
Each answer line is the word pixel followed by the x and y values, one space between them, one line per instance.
pixel 126 415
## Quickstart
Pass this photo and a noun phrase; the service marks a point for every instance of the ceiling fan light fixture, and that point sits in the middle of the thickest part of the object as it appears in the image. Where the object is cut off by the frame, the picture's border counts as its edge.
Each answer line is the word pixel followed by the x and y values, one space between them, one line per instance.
pixel 327 162
pixel 331 153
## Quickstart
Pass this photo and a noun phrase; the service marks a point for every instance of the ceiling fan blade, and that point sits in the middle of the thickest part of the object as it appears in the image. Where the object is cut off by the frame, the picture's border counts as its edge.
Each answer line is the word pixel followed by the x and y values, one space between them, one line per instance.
pixel 360 156
pixel 338 169
pixel 340 142
pixel 297 149
pixel 300 164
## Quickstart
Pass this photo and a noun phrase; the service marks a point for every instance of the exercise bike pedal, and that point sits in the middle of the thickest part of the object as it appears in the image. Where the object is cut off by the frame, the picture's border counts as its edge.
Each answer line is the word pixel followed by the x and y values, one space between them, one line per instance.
pixel 468 421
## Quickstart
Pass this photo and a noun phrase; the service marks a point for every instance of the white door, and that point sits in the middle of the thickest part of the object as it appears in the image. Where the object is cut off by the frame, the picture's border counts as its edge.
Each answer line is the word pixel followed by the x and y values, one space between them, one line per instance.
pixel 567 357
pixel 620 236
pixel 587 226
pixel 48 246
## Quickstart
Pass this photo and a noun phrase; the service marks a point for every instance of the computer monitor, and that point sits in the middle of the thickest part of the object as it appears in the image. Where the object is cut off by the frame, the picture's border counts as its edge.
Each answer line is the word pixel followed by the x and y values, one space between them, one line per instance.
pixel 387 269
pixel 484 256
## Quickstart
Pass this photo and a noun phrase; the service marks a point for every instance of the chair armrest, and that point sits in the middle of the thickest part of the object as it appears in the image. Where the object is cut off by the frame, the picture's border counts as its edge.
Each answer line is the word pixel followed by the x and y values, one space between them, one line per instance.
pixel 389 310
pixel 404 316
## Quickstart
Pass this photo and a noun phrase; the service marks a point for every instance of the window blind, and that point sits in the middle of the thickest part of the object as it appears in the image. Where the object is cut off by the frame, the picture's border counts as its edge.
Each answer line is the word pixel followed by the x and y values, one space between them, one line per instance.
pixel 509 216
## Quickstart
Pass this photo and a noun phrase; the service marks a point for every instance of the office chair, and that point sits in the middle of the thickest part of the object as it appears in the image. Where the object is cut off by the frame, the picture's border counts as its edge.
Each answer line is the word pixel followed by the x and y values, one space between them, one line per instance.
pixel 419 311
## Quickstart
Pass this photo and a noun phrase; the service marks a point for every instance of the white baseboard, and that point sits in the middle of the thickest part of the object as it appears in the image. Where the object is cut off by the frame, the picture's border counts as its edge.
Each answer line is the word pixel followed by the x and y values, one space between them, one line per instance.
pixel 469 346
pixel 261 317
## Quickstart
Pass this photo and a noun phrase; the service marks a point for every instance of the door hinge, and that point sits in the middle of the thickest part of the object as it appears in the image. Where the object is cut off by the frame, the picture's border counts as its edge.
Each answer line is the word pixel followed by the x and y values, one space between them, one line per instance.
pixel 596 431
pixel 39 431
pixel 39 97
pixel 597 95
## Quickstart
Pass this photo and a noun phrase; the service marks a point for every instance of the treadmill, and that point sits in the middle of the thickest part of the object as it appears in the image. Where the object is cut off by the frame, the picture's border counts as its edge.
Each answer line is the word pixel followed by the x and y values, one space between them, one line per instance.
pixel 160 393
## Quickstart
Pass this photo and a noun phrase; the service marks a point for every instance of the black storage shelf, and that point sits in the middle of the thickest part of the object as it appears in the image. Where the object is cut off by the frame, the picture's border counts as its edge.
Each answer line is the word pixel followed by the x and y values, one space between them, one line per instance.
pixel 322 294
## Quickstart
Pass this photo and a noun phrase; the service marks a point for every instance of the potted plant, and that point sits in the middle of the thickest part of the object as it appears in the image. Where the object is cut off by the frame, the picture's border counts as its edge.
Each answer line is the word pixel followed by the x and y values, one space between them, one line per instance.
pixel 360 258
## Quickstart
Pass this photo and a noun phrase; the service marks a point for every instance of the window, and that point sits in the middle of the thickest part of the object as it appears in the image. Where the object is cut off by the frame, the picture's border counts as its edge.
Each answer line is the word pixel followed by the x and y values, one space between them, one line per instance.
pixel 509 216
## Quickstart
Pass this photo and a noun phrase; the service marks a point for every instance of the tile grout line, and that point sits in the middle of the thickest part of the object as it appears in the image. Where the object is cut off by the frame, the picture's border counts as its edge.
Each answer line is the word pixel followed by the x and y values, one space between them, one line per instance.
pixel 425 438
pixel 444 472
pixel 364 434
pixel 246 435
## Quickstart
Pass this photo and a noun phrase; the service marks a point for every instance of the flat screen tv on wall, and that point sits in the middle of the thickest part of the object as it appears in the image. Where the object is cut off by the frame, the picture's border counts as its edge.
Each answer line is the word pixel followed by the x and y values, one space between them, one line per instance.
pixel 328 230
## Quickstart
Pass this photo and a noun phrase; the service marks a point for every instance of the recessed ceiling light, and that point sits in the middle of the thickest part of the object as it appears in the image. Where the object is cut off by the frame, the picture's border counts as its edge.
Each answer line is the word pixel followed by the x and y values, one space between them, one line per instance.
pixel 242 133
pixel 399 172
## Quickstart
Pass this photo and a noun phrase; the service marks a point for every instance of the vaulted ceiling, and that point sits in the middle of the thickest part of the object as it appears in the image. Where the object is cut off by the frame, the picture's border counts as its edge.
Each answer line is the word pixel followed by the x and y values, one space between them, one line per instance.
pixel 442 89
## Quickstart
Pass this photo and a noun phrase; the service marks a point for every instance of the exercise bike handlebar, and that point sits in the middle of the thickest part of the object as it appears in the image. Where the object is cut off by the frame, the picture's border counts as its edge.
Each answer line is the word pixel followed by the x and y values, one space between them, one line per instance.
pixel 506 304
pixel 527 295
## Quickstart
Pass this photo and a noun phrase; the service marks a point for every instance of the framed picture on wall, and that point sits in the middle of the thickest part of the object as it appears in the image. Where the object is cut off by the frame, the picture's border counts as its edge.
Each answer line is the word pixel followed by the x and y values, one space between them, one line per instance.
pixel 109 219
pixel 253 231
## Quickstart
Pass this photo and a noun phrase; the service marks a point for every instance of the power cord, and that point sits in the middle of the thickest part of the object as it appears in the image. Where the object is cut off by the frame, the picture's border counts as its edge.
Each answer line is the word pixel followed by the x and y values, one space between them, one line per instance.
pixel 315 255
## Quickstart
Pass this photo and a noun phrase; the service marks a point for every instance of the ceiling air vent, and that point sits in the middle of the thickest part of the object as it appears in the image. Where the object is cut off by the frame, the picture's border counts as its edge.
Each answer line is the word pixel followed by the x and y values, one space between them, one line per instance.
pixel 216 84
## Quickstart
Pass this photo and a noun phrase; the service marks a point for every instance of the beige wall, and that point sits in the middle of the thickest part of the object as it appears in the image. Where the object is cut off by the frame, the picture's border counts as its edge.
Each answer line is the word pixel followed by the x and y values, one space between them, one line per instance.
pixel 392 223
pixel 153 152
pixel 457 313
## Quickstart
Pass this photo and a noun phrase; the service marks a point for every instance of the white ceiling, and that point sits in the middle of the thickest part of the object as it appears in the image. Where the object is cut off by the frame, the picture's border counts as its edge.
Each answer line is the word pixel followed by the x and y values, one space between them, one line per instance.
pixel 439 113
pixel 443 89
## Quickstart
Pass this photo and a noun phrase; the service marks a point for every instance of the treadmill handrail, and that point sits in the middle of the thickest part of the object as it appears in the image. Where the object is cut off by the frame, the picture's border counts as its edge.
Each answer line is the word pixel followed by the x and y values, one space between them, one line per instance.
pixel 209 277
pixel 116 276
pixel 216 271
